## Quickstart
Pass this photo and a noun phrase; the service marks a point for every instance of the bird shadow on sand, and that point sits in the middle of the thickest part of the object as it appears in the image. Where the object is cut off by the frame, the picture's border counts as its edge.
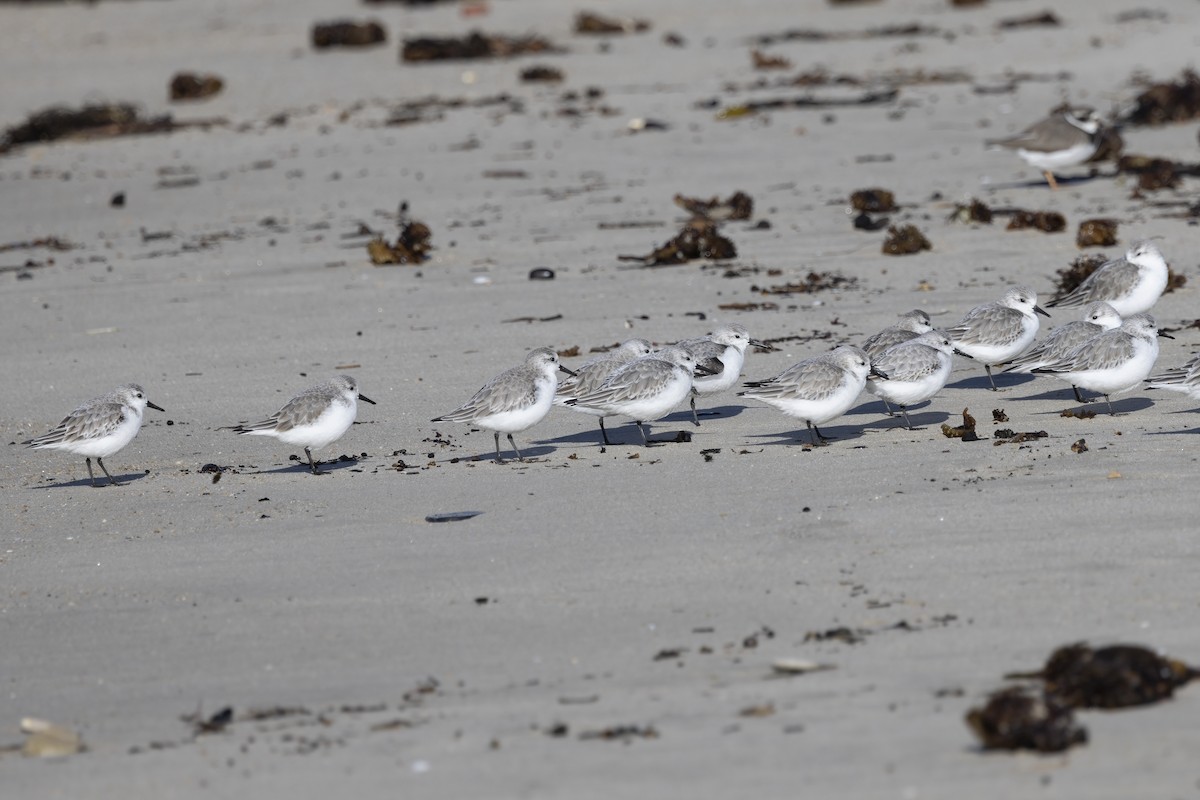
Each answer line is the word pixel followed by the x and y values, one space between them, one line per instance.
pixel 531 451
pixel 1004 382
pixel 1033 183
pixel 1122 405
pixel 625 435
pixel 705 413
pixel 919 420
pixel 325 467
pixel 799 437
pixel 101 482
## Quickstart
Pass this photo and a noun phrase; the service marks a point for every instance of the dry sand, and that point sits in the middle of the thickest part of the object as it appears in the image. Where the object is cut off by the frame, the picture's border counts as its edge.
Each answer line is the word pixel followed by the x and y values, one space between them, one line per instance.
pixel 619 589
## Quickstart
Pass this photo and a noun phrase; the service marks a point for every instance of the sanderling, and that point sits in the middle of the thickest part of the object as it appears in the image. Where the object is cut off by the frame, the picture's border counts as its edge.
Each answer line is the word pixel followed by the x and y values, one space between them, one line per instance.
pixel 1098 317
pixel 722 352
pixel 916 370
pixel 645 389
pixel 996 332
pixel 1064 139
pixel 1184 379
pixel 592 373
pixel 816 389
pixel 910 326
pixel 515 400
pixel 99 427
pixel 314 418
pixel 1130 284
pixel 1113 362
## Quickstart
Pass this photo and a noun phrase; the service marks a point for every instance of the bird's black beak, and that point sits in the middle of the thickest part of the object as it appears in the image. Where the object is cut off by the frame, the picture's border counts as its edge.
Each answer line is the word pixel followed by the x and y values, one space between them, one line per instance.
pixel 762 345
pixel 570 372
pixel 156 408
pixel 958 352
pixel 875 372
pixel 704 370
pixel 1165 335
pixel 1038 309
pixel 366 399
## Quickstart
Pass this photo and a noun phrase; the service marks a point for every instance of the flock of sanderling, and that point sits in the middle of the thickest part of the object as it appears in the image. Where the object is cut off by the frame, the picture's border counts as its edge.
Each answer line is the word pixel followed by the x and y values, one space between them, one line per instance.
pixel 1111 350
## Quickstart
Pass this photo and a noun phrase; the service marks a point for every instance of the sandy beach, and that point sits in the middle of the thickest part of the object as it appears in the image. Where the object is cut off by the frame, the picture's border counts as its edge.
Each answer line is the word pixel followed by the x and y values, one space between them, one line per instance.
pixel 611 622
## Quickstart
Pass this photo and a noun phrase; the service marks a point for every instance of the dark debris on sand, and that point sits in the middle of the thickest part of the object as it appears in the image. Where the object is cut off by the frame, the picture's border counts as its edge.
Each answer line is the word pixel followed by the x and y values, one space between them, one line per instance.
pixel 98 121
pixel 1096 233
pixel 348 33
pixel 1167 102
pixel 1044 221
pixel 193 86
pixel 873 201
pixel 738 206
pixel 966 431
pixel 1116 676
pixel 699 239
pixel 474 45
pixel 811 284
pixel 905 240
pixel 1019 719
pixel 975 211
pixel 412 246
pixel 589 23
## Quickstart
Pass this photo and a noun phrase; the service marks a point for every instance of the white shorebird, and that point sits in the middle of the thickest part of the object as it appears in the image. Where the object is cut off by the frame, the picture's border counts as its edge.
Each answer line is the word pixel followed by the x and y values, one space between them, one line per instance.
pixel 911 325
pixel 314 418
pixel 593 372
pixel 916 370
pixel 1130 284
pixel 1184 379
pixel 997 332
pixel 99 427
pixel 515 400
pixel 816 389
pixel 723 353
pixel 1098 317
pixel 1066 138
pixel 645 389
pixel 1113 362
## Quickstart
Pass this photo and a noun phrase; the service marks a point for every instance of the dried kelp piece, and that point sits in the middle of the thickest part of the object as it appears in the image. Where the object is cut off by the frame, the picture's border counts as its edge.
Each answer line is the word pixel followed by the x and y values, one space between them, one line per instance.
pixel 1078 413
pixel 911 29
pixel 737 206
pixel 1097 233
pixel 873 201
pixel 762 61
pixel 905 240
pixel 412 246
pixel 541 73
pixel 1156 173
pixel 1117 676
pixel 974 211
pixel 593 24
pixel 214 723
pixel 1079 446
pixel 1044 221
pixel 99 121
pixel 1018 719
pixel 474 45
pixel 882 97
pixel 998 415
pixel 193 86
pixel 811 284
pixel 1007 436
pixel 1076 273
pixel 621 733
pixel 699 238
pixel 841 634
pixel 966 431
pixel 1046 19
pixel 1167 102
pixel 348 33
